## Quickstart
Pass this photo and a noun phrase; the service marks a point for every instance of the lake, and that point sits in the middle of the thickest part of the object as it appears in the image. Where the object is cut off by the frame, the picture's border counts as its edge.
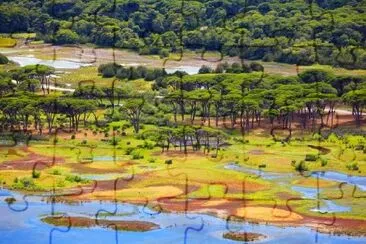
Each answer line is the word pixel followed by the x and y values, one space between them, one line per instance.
pixel 25 226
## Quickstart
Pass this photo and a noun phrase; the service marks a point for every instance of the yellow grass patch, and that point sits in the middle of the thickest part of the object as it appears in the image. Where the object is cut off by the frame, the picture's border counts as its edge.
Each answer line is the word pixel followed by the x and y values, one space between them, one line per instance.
pixel 7 42
pixel 267 214
pixel 213 203
pixel 312 182
pixel 138 194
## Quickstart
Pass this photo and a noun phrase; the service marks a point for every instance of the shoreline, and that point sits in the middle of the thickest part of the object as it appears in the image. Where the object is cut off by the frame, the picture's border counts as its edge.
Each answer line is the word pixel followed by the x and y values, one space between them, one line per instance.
pixel 336 229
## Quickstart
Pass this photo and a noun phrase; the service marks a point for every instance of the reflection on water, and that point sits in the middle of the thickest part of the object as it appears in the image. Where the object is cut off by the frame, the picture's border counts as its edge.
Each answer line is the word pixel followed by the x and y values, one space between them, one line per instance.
pixel 26 227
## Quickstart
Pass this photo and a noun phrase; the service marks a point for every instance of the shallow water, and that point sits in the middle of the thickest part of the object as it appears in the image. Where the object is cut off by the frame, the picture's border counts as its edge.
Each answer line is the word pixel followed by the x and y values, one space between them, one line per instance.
pixel 306 192
pixel 57 64
pixel 26 227
pixel 191 70
pixel 359 181
pixel 111 176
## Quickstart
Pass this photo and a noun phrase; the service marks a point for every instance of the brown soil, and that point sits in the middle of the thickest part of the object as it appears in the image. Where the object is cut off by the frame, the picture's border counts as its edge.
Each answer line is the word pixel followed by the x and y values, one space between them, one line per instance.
pixel 84 169
pixel 243 236
pixel 112 224
pixel 31 161
pixel 322 150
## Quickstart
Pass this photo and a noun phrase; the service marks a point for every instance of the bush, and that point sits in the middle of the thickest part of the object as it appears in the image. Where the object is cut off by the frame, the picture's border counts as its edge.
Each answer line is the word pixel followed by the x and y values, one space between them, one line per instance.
pixel 24 183
pixel 169 161
pixel 56 172
pixel 3 59
pixel 353 166
pixel 311 157
pixel 10 200
pixel 255 66
pixel 73 137
pixel 136 155
pixel 129 150
pixel 205 70
pixel 323 162
pixel 262 166
pixel 301 166
pixel 75 178
pixel 36 174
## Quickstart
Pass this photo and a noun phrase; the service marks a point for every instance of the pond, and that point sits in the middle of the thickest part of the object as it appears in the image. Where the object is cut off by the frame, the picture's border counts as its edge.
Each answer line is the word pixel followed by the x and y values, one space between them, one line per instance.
pixel 57 64
pixel 306 192
pixel 25 226
pixel 191 70
pixel 359 181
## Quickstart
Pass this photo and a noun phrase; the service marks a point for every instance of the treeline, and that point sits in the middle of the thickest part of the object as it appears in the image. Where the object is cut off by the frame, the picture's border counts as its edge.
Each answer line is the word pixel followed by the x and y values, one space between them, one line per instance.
pixel 290 31
pixel 242 100
pixel 246 99
pixel 131 72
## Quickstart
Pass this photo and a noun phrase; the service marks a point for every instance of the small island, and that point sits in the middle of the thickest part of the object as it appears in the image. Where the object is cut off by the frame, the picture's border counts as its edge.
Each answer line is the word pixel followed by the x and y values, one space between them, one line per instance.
pixel 243 236
pixel 84 222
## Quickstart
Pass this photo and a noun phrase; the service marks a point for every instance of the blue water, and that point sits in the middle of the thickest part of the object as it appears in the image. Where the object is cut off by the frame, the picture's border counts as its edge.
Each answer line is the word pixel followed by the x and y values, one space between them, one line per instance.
pixel 306 192
pixel 26 227
pixel 331 207
pixel 257 172
pixel 359 181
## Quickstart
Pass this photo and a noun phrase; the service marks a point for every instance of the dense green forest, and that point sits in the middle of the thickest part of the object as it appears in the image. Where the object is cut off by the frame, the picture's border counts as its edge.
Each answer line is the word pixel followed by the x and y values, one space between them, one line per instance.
pixel 291 31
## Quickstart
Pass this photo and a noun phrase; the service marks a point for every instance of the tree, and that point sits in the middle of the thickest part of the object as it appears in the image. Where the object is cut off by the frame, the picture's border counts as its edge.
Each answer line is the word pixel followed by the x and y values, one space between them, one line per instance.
pixel 3 59
pixel 132 107
pixel 357 99
pixel 66 36
pixel 41 72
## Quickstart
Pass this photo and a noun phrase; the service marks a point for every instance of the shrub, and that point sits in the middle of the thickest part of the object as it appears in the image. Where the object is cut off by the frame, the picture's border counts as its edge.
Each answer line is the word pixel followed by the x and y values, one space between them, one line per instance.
pixel 73 137
pixel 311 157
pixel 3 59
pixel 56 172
pixel 10 200
pixel 24 183
pixel 323 162
pixel 136 155
pixel 353 166
pixel 262 166
pixel 129 150
pixel 255 66
pixel 168 161
pixel 151 160
pixel 36 174
pixel 301 166
pixel 293 162
pixel 75 178
pixel 60 183
pixel 115 141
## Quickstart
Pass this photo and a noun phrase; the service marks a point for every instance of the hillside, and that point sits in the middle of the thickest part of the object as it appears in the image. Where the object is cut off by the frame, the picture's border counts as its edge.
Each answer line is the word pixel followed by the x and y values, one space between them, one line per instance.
pixel 290 31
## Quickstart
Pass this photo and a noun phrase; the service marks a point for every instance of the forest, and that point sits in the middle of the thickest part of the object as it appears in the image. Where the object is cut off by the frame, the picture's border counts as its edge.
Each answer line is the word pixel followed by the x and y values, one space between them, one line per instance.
pixel 290 31
pixel 177 121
